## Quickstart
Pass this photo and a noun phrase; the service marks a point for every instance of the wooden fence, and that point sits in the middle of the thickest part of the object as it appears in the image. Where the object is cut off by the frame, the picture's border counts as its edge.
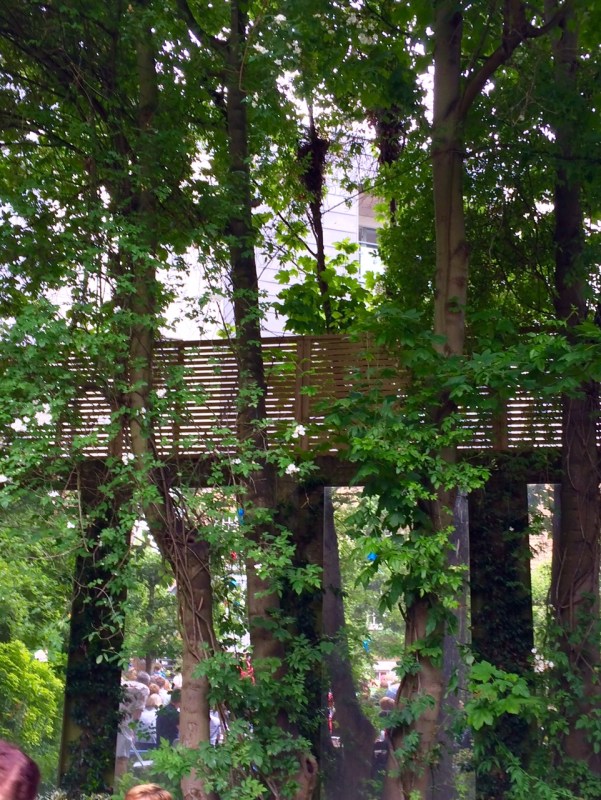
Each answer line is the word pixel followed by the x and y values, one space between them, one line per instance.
pixel 305 375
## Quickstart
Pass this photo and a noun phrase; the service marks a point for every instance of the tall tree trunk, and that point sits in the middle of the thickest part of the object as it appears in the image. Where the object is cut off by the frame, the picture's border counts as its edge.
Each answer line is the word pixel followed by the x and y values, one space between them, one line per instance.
pixel 453 99
pixel 449 323
pixel 260 495
pixel 576 548
pixel 357 734
pixel 93 680
pixel 196 612
pixel 176 537
pixel 260 487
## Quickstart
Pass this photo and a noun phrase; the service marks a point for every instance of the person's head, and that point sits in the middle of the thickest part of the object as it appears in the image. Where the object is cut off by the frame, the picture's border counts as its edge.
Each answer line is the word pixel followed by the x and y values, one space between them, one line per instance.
pixel 143 677
pixel 148 791
pixel 153 701
pixel 19 775
pixel 154 688
pixel 387 703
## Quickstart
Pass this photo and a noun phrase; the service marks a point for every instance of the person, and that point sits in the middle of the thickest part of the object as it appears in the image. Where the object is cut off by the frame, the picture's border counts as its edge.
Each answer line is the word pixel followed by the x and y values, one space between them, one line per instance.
pixel 135 694
pixel 148 791
pixel 168 719
pixel 146 728
pixel 19 775
pixel 214 726
pixel 164 689
pixel 143 677
pixel 154 692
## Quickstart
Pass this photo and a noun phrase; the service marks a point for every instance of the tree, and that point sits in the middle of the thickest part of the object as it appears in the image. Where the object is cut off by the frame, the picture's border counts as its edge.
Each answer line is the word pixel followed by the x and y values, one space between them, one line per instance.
pixel 576 554
pixel 169 129
pixel 453 98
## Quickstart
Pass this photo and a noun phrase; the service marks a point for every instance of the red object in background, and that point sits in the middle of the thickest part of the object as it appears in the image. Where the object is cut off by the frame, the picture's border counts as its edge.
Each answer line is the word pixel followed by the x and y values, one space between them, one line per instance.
pixel 249 671
pixel 330 711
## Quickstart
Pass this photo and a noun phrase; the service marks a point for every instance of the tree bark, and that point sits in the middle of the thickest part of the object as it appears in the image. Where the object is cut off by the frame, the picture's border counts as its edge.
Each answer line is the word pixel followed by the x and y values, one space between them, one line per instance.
pixel 453 99
pixel 251 413
pixel 576 548
pixel 357 734
pixel 260 487
pixel 196 611
pixel 176 537
pixel 93 681
pixel 449 322
pixel 502 625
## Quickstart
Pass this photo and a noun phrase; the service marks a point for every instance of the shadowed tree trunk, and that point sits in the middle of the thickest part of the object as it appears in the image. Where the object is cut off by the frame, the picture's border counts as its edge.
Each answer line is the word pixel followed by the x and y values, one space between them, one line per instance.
pixel 357 734
pixel 93 682
pixel 260 487
pixel 176 537
pixel 502 626
pixel 575 566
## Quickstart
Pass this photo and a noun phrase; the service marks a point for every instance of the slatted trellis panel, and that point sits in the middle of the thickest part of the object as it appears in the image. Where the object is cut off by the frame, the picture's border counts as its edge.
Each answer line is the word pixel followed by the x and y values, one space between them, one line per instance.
pixel 197 383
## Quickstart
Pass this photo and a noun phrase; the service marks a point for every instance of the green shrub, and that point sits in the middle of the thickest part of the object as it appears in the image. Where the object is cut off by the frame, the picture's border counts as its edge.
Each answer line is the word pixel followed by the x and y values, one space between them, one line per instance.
pixel 30 698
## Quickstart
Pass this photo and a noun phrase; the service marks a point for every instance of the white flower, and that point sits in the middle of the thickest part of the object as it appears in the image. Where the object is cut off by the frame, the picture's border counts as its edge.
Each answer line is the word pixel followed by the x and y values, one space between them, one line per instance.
pixel 3 478
pixel 161 393
pixel 292 469
pixel 53 493
pixel 127 457
pixel 71 525
pixel 18 425
pixel 364 38
pixel 300 430
pixel 43 417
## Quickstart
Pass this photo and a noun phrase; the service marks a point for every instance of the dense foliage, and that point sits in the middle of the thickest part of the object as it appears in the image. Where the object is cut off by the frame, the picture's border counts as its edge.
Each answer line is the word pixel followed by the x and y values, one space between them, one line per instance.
pixel 153 147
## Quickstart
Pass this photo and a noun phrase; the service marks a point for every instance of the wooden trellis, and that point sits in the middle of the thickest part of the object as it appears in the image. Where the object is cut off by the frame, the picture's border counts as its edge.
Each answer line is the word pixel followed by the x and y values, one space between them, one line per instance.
pixel 197 382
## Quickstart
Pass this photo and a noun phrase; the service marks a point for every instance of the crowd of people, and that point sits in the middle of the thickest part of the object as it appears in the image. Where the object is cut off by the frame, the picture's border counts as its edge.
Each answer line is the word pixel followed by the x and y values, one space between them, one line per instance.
pixel 150 712
pixel 20 778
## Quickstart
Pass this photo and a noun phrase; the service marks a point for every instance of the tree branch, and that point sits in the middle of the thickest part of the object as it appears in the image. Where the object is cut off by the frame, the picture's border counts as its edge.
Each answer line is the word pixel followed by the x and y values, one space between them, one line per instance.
pixel 203 37
pixel 512 38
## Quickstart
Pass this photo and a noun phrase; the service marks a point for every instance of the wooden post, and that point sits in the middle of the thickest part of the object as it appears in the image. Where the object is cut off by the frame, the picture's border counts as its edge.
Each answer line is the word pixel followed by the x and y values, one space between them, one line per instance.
pixel 501 596
pixel 93 683
pixel 302 403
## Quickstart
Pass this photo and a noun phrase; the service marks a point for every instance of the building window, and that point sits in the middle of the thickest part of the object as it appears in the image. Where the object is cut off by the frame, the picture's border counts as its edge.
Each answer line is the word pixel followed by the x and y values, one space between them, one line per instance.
pixel 369 258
